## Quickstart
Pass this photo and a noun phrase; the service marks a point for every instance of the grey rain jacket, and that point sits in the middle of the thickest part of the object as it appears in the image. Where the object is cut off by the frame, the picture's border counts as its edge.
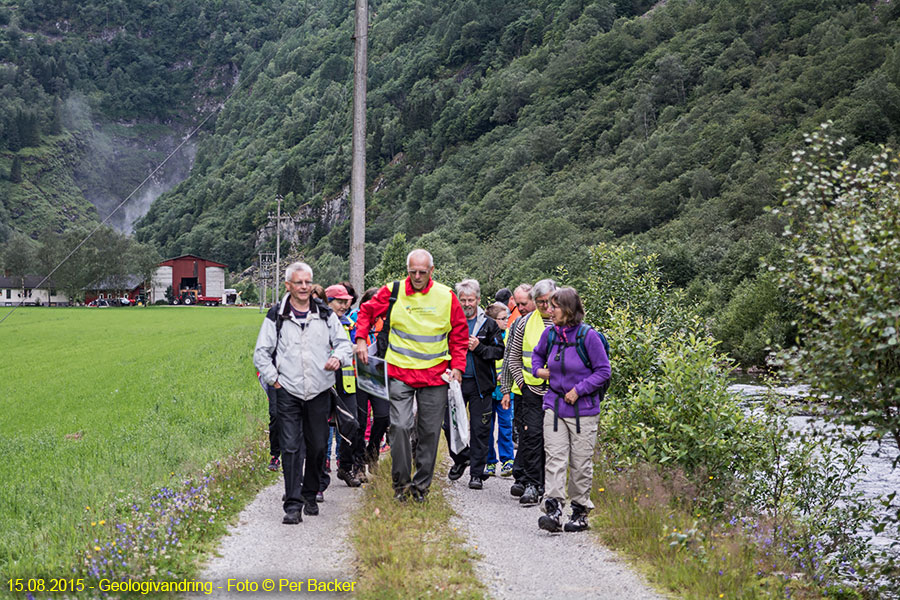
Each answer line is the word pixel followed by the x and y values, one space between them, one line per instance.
pixel 303 348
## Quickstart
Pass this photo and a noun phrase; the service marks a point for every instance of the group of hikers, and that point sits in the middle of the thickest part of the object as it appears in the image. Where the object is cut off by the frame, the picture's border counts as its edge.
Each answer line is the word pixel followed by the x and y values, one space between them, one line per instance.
pixel 527 363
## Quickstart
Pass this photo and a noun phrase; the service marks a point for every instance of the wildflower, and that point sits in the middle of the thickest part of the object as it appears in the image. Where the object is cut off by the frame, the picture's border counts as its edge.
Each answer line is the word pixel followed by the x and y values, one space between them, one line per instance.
pixel 93 523
pixel 87 508
pixel 96 548
pixel 102 521
pixel 601 490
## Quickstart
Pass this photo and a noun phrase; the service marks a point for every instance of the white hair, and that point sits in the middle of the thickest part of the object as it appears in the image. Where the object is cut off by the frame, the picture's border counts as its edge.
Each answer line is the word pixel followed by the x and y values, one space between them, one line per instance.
pixel 468 286
pixel 297 266
pixel 420 251
pixel 542 288
pixel 525 288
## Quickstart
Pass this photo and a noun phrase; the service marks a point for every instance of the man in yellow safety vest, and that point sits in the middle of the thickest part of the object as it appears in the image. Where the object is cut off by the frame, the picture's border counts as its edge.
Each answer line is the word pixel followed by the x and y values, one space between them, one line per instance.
pixel 428 334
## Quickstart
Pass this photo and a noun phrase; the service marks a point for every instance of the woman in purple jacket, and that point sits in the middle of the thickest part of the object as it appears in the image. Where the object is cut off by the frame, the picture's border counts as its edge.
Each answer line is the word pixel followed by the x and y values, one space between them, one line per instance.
pixel 571 409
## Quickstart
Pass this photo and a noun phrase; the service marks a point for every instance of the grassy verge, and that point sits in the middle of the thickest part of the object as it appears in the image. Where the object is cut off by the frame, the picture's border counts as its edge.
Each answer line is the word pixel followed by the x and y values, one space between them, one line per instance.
pixel 410 550
pixel 688 553
pixel 115 427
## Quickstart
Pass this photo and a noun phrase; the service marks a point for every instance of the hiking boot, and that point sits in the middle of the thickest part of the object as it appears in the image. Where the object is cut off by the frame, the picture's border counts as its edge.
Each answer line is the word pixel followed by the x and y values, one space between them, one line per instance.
pixel 292 517
pixel 530 497
pixel 490 470
pixel 476 483
pixel 320 497
pixel 417 496
pixel 274 464
pixel 506 469
pixel 328 465
pixel 348 477
pixel 360 473
pixel 517 489
pixel 551 520
pixel 311 508
pixel 457 470
pixel 578 520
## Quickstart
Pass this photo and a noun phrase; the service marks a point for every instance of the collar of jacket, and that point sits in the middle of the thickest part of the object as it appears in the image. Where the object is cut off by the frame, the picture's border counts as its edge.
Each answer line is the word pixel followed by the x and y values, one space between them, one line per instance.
pixel 410 291
pixel 285 308
pixel 480 319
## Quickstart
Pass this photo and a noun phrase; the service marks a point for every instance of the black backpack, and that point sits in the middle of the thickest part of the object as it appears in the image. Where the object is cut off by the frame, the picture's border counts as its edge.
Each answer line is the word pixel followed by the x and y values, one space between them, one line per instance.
pixel 553 340
pixel 580 335
pixel 381 340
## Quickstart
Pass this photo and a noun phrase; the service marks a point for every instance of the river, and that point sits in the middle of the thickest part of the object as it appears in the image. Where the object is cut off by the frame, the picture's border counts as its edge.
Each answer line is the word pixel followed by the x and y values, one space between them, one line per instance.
pixel 879 477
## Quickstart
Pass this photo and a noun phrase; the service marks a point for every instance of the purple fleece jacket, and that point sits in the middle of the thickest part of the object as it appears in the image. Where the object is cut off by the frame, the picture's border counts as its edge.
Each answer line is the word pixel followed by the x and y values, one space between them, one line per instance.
pixel 570 371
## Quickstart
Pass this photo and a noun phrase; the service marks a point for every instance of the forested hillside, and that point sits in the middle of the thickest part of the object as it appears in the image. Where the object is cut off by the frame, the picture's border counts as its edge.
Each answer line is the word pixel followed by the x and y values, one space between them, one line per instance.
pixel 508 136
pixel 94 94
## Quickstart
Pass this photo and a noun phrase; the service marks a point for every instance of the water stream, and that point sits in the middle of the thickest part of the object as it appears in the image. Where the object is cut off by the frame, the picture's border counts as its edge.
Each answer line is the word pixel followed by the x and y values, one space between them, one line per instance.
pixel 879 477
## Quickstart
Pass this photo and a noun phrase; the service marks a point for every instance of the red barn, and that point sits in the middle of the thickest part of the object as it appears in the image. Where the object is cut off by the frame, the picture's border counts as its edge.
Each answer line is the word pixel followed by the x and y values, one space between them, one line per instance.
pixel 189 272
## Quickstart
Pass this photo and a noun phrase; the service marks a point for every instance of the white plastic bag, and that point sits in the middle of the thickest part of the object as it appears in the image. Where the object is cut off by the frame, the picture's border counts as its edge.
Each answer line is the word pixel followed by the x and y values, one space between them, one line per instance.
pixel 459 419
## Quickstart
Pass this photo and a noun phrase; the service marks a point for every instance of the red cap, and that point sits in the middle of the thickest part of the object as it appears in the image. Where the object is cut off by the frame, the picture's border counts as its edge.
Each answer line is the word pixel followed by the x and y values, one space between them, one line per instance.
pixel 338 292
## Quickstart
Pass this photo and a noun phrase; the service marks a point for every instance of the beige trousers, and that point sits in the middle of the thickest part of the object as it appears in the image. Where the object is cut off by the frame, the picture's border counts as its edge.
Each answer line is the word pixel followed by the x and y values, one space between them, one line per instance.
pixel 564 449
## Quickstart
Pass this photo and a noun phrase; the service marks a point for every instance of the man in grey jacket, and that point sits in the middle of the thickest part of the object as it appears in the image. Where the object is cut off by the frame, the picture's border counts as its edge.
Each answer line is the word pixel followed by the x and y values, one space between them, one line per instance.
pixel 300 345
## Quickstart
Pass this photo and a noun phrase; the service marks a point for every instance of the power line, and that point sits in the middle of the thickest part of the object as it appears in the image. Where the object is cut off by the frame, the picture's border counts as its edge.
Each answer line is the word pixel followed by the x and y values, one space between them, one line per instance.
pixel 152 173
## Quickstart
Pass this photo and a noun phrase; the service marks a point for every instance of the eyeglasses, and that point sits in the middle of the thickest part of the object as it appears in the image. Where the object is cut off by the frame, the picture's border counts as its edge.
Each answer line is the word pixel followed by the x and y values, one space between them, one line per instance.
pixel 418 272
pixel 542 302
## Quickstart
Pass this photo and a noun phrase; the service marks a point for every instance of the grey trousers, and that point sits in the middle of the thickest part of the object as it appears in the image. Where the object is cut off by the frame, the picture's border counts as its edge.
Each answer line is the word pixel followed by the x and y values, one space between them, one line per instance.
pixel 565 448
pixel 432 402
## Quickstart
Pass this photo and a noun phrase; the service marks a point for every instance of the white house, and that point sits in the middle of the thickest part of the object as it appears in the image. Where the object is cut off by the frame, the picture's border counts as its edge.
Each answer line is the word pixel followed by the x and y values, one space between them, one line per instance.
pixel 13 292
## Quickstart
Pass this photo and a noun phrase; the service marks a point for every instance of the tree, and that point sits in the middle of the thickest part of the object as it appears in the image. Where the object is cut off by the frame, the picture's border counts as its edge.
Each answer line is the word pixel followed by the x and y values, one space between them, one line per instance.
pixel 19 258
pixel 393 260
pixel 142 260
pixel 842 242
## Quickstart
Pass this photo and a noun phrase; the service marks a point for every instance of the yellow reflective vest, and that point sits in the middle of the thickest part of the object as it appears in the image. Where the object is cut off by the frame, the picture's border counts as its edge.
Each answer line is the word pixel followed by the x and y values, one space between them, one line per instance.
pixel 534 327
pixel 348 373
pixel 420 326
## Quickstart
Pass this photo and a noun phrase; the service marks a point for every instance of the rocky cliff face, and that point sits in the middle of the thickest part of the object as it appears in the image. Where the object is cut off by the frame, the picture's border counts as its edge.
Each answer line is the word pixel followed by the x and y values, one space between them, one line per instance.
pixel 302 226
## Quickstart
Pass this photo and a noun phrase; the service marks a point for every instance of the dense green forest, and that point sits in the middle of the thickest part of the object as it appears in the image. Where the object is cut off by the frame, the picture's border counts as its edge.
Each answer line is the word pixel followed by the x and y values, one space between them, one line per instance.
pixel 92 91
pixel 505 137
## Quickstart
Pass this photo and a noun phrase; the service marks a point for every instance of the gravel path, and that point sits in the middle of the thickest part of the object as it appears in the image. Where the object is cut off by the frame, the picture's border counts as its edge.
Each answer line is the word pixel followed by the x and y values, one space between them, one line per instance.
pixel 259 547
pixel 522 561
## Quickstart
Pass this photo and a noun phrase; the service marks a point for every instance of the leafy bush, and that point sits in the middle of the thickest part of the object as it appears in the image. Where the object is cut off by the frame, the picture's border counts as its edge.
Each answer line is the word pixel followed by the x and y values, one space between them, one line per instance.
pixel 621 276
pixel 670 404
pixel 805 483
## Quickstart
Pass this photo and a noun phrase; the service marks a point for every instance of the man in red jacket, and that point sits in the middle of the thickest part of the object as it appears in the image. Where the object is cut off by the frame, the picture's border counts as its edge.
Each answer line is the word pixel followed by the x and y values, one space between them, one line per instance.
pixel 428 334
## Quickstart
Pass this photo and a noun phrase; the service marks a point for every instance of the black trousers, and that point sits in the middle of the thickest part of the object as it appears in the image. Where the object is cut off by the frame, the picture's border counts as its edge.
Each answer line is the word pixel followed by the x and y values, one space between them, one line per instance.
pixel 528 466
pixel 380 421
pixel 480 410
pixel 345 433
pixel 346 445
pixel 274 435
pixel 304 434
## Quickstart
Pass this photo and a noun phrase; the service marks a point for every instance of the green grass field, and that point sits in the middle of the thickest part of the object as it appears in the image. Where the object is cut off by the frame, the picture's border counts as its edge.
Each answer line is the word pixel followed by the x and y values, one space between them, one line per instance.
pixel 98 406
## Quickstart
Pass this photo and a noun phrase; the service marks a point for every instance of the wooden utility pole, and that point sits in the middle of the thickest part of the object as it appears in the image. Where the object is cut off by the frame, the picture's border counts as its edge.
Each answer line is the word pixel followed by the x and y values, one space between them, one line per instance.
pixel 358 172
